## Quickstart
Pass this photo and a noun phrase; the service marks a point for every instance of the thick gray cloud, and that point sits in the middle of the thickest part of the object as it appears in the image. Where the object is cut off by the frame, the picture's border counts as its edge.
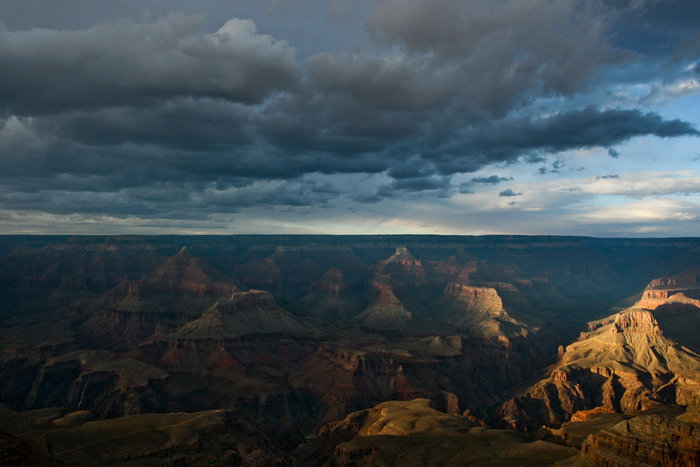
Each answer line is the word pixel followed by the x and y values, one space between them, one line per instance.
pixel 184 123
pixel 156 117
pixel 492 180
pixel 510 139
pixel 503 51
pixel 125 63
pixel 508 193
pixel 415 184
pixel 415 167
pixel 389 83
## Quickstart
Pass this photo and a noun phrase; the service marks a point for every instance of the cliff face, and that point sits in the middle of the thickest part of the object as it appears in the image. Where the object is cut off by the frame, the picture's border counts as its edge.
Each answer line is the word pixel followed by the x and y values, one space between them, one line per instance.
pixel 684 287
pixel 625 363
pixel 478 299
pixel 480 310
pixel 645 440
pixel 387 312
pixel 96 381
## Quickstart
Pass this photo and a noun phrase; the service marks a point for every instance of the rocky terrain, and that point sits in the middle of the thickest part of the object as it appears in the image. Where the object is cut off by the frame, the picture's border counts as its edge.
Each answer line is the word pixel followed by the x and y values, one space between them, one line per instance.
pixel 645 440
pixel 626 362
pixel 402 433
pixel 267 348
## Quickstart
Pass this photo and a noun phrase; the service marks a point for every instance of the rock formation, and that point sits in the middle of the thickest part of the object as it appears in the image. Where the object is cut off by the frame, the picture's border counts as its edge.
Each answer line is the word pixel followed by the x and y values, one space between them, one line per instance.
pixel 645 440
pixel 403 266
pixel 413 433
pixel 252 312
pixel 625 363
pixel 387 312
pixel 132 310
pixel 480 310
pixel 96 381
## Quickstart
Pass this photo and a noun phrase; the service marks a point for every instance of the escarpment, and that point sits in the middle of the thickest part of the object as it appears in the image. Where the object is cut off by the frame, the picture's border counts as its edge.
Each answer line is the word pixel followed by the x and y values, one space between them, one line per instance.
pixel 626 363
pixel 645 440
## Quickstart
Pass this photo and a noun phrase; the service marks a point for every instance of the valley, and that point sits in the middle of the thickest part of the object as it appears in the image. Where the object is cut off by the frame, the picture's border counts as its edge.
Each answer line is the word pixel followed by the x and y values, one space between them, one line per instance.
pixel 349 350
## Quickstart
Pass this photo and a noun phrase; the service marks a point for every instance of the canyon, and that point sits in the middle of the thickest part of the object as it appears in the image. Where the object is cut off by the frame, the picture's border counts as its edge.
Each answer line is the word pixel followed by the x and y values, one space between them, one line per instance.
pixel 349 350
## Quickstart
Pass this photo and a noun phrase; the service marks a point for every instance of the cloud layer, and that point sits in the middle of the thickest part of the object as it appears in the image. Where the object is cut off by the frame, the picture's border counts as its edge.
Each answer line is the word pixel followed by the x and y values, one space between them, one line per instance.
pixel 156 119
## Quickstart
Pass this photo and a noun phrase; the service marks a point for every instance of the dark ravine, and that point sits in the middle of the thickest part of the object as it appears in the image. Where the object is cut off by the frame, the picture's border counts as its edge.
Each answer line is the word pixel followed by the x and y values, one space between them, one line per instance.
pixel 287 334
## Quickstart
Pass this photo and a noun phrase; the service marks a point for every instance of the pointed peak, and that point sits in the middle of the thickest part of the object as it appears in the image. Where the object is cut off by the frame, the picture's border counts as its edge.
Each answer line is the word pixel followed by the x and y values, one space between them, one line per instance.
pixel 183 269
pixel 402 256
pixel 402 252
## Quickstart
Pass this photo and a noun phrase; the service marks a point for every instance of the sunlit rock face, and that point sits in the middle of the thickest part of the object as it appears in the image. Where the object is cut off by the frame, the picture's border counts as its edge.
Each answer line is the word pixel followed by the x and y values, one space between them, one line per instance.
pixel 626 362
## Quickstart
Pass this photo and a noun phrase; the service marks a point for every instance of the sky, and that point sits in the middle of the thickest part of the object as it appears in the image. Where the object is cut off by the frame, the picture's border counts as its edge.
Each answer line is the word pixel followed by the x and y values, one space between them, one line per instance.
pixel 472 117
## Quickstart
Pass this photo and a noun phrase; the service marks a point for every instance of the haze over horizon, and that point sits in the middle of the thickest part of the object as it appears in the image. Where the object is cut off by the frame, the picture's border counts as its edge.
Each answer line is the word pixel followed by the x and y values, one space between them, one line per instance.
pixel 337 117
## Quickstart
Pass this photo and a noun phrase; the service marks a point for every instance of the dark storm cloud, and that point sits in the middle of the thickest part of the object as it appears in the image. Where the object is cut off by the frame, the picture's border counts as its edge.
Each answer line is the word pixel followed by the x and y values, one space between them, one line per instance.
pixel 126 63
pixel 187 123
pixel 162 117
pixel 510 139
pixel 492 180
pixel 508 193
pixel 415 167
pixel 468 187
pixel 389 83
pixel 421 183
pixel 292 193
pixel 124 149
pixel 171 200
pixel 502 49
pixel 399 188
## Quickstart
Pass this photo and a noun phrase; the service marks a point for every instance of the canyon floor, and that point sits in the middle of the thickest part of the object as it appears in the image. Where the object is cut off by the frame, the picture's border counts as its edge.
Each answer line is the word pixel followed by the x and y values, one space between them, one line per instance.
pixel 349 350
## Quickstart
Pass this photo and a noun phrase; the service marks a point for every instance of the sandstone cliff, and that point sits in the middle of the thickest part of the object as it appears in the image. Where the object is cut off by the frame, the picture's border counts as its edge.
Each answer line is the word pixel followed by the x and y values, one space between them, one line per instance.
pixel 626 363
pixel 645 440
pixel 479 310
